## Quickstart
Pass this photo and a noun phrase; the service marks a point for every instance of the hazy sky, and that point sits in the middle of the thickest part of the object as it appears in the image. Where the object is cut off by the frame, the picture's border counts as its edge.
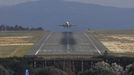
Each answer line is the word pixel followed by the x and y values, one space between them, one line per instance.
pixel 113 3
pixel 13 2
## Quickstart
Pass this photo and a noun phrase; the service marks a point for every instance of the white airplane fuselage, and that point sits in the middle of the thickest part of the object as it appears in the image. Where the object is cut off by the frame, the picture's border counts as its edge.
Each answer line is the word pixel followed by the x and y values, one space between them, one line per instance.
pixel 67 24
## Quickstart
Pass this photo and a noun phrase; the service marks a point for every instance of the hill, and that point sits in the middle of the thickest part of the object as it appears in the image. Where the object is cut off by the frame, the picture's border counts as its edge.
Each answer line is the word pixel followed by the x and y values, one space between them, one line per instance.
pixel 50 13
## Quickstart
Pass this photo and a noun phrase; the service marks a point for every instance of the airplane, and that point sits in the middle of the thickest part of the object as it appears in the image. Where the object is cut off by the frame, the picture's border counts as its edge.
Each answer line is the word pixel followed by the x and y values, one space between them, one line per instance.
pixel 67 25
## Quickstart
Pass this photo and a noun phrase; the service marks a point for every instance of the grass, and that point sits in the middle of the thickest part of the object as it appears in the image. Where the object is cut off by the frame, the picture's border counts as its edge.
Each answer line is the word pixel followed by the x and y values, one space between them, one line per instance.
pixel 18 50
pixel 5 51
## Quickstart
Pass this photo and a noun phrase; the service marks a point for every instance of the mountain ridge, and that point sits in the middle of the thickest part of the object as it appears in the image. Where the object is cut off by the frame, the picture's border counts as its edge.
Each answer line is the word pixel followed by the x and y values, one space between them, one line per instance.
pixel 49 14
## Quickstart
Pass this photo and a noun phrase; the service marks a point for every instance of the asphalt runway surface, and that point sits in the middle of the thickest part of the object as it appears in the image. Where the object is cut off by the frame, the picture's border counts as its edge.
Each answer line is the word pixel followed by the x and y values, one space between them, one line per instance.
pixel 80 43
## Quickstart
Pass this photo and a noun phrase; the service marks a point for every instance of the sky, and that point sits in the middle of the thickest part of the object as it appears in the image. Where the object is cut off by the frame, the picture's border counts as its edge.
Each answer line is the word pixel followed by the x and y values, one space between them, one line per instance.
pixel 13 2
pixel 113 3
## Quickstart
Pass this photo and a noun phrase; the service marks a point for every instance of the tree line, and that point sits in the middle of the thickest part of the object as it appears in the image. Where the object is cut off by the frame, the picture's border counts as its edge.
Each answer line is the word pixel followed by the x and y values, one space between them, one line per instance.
pixel 18 66
pixel 18 28
pixel 100 68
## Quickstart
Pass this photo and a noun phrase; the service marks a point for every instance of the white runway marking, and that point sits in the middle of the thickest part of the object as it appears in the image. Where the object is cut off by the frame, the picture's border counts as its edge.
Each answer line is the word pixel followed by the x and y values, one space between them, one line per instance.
pixel 43 43
pixel 68 45
pixel 93 43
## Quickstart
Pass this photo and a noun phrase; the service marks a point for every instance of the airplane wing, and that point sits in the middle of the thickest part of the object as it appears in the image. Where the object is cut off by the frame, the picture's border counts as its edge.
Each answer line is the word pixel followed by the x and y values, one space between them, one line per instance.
pixel 72 25
pixel 62 25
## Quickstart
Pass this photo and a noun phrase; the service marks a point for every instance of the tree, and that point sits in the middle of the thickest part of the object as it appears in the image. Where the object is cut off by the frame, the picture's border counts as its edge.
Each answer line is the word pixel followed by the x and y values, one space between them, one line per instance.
pixel 103 68
pixel 117 68
pixel 47 71
pixel 130 69
pixel 97 72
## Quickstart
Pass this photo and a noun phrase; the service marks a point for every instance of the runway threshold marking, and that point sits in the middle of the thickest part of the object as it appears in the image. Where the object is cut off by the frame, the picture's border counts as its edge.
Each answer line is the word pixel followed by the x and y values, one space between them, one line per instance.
pixel 93 43
pixel 43 43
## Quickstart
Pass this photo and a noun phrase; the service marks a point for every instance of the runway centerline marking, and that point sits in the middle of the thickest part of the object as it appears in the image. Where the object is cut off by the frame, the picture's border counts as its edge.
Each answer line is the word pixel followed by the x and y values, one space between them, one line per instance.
pixel 68 45
pixel 44 42
pixel 93 43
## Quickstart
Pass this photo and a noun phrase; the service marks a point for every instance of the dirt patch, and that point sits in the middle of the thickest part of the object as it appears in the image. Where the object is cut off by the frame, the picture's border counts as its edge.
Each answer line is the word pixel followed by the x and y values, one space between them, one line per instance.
pixel 118 47
pixel 123 37
pixel 118 43
pixel 18 40
pixel 17 44
pixel 13 37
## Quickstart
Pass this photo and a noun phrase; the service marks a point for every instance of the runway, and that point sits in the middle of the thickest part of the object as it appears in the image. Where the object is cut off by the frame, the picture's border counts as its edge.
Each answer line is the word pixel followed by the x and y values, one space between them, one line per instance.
pixel 74 43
